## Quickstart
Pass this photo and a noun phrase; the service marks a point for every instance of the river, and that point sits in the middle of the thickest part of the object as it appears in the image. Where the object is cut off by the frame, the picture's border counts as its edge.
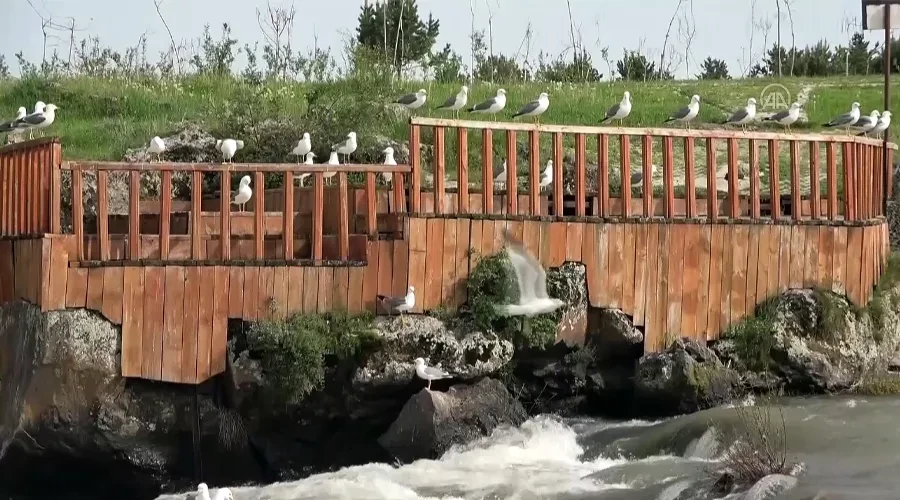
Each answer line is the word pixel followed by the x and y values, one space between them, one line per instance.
pixel 849 447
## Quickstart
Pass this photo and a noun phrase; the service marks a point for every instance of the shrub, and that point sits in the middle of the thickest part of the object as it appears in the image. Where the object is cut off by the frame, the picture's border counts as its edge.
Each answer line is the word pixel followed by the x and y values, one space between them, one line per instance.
pixel 754 338
pixel 759 444
pixel 296 351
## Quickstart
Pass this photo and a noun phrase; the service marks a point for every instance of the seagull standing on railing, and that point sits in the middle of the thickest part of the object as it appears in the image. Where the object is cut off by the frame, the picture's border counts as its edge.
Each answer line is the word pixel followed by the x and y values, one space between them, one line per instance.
pixel 456 102
pixel 430 373
pixel 547 175
pixel 243 193
pixel 619 111
pixel 10 126
pixel 157 146
pixel 345 147
pixel 845 120
pixel 303 147
pixel 787 117
pixel 38 120
pixel 492 106
pixel 332 160
pixel 865 124
pixel 388 160
pixel 688 113
pixel 414 100
pixel 228 147
pixel 535 108
pixel 883 123
pixel 308 161
pixel 744 115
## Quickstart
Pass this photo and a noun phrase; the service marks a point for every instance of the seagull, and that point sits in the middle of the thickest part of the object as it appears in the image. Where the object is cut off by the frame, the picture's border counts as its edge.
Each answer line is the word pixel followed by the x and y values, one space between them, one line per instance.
pixel 883 123
pixel 38 119
pixel 399 305
pixel 865 124
pixel 688 113
pixel 493 105
pixel 845 120
pixel 535 108
pixel 39 107
pixel 303 147
pixel 224 494
pixel 10 126
pixel 388 160
pixel 332 160
pixel 787 117
pixel 157 146
pixel 308 161
pixel 547 175
pixel 345 147
pixel 430 373
pixel 619 111
pixel 202 492
pixel 532 283
pixel 743 115
pixel 228 147
pixel 501 176
pixel 456 102
pixel 243 193
pixel 414 100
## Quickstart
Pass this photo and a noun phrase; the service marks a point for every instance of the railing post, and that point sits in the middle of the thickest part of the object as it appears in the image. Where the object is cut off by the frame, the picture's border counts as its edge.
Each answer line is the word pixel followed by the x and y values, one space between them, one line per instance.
pixel 287 214
pixel 487 171
pixel 462 169
pixel 415 161
pixel 439 168
pixel 134 215
pixel 55 189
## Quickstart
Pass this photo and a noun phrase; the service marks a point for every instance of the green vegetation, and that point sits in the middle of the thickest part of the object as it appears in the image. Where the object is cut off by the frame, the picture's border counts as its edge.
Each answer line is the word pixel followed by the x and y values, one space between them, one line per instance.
pixel 296 351
pixel 831 315
pixel 754 337
pixel 885 297
pixel 880 384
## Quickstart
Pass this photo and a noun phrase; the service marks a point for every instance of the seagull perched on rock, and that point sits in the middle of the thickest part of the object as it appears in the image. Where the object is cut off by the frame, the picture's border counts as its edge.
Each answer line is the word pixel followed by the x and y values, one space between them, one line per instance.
pixel 687 113
pixel 787 117
pixel 458 101
pixel 414 100
pixel 535 108
pixel 10 126
pixel 531 280
pixel 493 105
pixel 229 147
pixel 619 111
pixel 865 124
pixel 744 115
pixel 547 175
pixel 430 373
pixel 303 147
pixel 399 305
pixel 883 123
pixel 345 147
pixel 243 193
pixel 157 146
pixel 845 120
pixel 39 119
pixel 388 160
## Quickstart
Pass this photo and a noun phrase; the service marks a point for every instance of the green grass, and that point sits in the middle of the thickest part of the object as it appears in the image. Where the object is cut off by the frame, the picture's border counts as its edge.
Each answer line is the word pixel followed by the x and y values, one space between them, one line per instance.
pixel 99 119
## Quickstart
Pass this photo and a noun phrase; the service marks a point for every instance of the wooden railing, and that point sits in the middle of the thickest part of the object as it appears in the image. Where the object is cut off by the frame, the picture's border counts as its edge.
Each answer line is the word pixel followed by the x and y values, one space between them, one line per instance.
pixel 800 176
pixel 28 173
pixel 220 233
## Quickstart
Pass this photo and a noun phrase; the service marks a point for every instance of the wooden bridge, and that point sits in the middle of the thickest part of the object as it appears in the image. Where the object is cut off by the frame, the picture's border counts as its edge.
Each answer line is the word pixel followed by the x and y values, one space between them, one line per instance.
pixel 681 259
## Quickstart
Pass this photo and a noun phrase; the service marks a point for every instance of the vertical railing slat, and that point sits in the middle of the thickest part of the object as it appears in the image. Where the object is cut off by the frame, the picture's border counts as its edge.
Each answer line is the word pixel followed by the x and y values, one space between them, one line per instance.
pixel 134 215
pixel 831 179
pixel 371 193
pixel 734 197
pixel 534 176
pixel 602 174
pixel 647 174
pixel 558 209
pixel 487 171
pixel 415 155
pixel 319 213
pixel 689 178
pixel 196 214
pixel 343 218
pixel 225 214
pixel 668 176
pixel 814 194
pixel 165 213
pixel 754 179
pixel 287 214
pixel 625 173
pixel 847 167
pixel 462 169
pixel 796 205
pixel 580 194
pixel 55 190
pixel 512 183
pixel 78 212
pixel 259 213
pixel 774 188
pixel 439 171
pixel 712 189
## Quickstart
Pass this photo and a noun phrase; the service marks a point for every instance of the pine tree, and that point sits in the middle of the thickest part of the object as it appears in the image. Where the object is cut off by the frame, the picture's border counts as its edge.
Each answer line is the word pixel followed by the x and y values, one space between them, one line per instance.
pixel 380 24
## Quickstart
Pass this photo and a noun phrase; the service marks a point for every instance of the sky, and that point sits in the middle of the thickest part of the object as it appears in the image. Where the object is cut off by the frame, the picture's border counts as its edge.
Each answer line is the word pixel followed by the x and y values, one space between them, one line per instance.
pixel 723 27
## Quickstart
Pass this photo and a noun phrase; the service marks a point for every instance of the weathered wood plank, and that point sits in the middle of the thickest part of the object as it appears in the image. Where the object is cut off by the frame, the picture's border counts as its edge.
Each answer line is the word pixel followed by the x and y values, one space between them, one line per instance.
pixel 325 294
pixel 713 323
pixel 95 289
pixel 173 317
pixel 675 279
pixel 753 243
pixel 207 305
pixel 798 256
pixel 448 269
pixel 218 348
pixel 152 343
pixel 703 287
pixel 190 326
pixel 463 236
pixel 251 293
pixel 434 264
pixel 628 283
pixel 738 293
pixel 690 282
pixel 132 321
pixel 641 270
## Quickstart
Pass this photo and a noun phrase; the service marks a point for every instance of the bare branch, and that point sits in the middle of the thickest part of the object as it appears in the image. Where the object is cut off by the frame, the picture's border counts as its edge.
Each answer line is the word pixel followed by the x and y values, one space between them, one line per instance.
pixel 662 55
pixel 157 4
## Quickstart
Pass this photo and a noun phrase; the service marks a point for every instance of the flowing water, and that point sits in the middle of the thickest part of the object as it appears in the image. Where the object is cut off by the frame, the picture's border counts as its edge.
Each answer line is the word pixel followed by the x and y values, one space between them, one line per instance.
pixel 850 448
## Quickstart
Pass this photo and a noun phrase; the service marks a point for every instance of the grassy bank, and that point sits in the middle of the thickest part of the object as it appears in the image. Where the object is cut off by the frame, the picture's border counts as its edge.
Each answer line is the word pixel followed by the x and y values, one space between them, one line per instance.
pixel 100 119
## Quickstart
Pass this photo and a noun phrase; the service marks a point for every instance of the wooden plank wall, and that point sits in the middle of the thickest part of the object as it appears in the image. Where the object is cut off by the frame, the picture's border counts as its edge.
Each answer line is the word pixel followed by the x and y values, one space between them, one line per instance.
pixel 27 172
pixel 22 269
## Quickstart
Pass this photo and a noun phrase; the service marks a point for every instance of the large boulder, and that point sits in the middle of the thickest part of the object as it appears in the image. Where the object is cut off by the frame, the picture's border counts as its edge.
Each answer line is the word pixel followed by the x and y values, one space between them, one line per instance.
pixel 432 422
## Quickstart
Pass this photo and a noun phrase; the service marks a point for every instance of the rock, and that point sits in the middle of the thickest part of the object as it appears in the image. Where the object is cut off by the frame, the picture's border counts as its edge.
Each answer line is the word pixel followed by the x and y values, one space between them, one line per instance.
pixel 684 378
pixel 769 487
pixel 432 422
pixel 893 219
pixel 613 334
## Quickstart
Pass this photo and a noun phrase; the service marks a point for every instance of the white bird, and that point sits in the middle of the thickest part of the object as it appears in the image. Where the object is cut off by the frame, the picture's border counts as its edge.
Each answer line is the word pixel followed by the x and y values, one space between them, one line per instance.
pixel 202 492
pixel 224 494
pixel 845 120
pixel 346 147
pixel 458 101
pixel 619 111
pixel 332 160
pixel 688 113
pixel 308 161
pixel 501 177
pixel 399 305
pixel 883 123
pixel 243 193
pixel 535 108
pixel 493 105
pixel 430 373
pixel 787 117
pixel 638 177
pixel 865 124
pixel 157 146
pixel 414 100
pixel 39 107
pixel 303 147
pixel 547 175
pixel 38 120
pixel 744 115
pixel 388 160
pixel 10 126
pixel 532 283
pixel 228 147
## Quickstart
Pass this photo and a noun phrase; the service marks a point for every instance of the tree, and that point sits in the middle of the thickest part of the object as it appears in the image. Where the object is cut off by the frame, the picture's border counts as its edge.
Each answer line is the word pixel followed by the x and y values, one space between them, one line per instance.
pixel 394 28
pixel 636 66
pixel 713 69
pixel 447 66
pixel 578 70
pixel 4 69
pixel 217 56
pixel 498 68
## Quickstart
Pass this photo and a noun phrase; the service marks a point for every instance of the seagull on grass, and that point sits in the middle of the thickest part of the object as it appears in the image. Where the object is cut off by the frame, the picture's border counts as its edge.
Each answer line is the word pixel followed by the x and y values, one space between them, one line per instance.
pixel 303 147
pixel 458 101
pixel 228 147
pixel 243 193
pixel 535 108
pixel 845 120
pixel 883 123
pixel 345 147
pixel 388 160
pixel 865 124
pixel 787 117
pixel 491 106
pixel 399 305
pixel 531 280
pixel 619 111
pixel 744 115
pixel 414 100
pixel 687 113
pixel 430 373
pixel 157 147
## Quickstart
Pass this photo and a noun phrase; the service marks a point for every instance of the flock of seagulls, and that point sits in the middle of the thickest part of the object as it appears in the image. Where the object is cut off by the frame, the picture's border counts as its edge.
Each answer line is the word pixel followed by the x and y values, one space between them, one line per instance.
pixel 875 123
pixel 42 117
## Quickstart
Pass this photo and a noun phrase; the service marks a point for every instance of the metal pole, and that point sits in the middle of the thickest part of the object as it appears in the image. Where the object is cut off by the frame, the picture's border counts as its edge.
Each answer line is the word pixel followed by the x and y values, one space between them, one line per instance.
pixel 887 98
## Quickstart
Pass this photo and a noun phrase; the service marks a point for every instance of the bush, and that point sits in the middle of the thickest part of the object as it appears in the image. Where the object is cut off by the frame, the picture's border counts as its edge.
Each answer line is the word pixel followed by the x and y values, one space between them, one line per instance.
pixel 759 446
pixel 296 351
pixel 754 337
